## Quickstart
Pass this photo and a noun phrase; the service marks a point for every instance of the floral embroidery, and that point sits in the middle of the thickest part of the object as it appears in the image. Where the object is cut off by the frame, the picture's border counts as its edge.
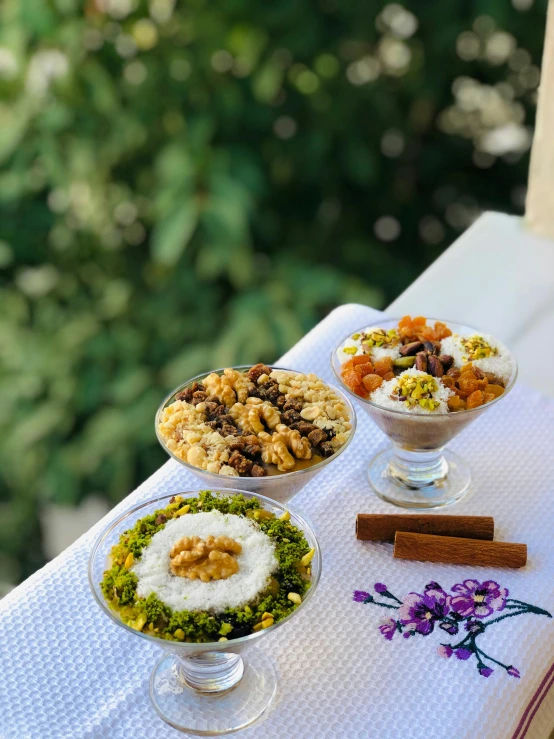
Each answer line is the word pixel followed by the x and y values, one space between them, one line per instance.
pixel 463 610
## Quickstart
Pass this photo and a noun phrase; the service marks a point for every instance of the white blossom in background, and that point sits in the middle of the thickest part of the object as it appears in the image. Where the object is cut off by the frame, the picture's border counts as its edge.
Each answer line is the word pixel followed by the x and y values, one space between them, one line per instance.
pixel 118 9
pixel 9 67
pixel 45 67
pixel 161 10
pixel 399 21
pixel 512 137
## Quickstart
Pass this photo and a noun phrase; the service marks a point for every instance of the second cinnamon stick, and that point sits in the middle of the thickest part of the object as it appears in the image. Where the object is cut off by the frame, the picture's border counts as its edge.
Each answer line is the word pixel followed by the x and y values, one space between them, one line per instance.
pixel 383 527
pixel 456 551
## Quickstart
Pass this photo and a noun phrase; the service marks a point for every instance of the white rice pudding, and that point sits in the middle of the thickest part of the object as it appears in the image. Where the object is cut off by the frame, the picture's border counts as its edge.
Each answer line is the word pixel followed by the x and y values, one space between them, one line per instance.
pixel 382 396
pixel 501 364
pixel 257 562
pixel 373 353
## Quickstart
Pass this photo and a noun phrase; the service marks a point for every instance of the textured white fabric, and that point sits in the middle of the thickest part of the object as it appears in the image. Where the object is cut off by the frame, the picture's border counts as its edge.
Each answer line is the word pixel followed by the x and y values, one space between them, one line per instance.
pixel 69 672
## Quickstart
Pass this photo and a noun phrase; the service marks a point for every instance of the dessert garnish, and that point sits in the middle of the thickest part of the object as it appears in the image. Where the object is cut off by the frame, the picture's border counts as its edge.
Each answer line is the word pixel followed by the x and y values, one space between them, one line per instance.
pixel 425 369
pixel 211 559
pixel 256 422
pixel 208 568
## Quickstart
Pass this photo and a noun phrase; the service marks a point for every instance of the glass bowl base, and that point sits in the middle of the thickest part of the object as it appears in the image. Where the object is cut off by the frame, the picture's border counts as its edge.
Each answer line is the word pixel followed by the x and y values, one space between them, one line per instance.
pixel 442 492
pixel 215 714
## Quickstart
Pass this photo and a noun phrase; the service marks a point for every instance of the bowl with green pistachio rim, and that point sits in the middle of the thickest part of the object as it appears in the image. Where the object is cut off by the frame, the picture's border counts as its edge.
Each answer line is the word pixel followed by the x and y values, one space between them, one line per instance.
pixel 203 649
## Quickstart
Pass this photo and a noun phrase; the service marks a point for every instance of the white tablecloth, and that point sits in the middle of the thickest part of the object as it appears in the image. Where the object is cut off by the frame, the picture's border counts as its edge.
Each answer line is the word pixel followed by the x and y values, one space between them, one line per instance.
pixel 69 672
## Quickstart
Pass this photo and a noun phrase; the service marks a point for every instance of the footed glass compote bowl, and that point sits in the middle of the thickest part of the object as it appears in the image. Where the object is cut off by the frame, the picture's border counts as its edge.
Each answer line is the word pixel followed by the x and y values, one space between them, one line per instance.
pixel 282 486
pixel 205 689
pixel 416 470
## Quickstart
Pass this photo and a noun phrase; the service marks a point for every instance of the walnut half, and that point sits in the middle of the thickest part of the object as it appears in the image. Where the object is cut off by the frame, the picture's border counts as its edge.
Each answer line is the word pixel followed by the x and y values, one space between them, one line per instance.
pixel 212 559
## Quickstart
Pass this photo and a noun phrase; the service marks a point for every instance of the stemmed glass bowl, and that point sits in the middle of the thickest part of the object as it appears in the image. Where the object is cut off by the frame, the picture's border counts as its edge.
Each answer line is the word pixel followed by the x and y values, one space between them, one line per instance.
pixel 280 487
pixel 205 689
pixel 416 471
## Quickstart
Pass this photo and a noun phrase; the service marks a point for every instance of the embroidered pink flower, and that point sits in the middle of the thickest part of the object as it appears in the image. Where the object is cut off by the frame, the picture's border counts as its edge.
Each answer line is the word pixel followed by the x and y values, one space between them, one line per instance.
pixel 513 671
pixel 444 651
pixel 388 628
pixel 418 613
pixel 478 599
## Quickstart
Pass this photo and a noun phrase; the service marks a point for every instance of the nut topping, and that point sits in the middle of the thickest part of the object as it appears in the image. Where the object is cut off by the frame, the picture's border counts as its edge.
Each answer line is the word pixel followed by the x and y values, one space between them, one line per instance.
pixel 421 361
pixel 412 348
pixel 212 559
pixel 434 366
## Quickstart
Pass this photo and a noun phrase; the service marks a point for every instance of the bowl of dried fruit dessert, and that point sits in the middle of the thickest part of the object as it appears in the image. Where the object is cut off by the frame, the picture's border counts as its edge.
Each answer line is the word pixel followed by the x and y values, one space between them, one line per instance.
pixel 273 428
pixel 206 575
pixel 422 382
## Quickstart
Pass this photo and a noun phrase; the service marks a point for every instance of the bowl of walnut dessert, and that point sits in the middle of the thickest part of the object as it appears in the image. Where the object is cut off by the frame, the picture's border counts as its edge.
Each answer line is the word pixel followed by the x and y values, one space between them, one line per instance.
pixel 274 428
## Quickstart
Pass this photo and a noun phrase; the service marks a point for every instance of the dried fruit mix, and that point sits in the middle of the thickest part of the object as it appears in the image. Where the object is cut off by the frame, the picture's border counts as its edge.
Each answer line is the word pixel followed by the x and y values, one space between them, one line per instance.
pixel 425 369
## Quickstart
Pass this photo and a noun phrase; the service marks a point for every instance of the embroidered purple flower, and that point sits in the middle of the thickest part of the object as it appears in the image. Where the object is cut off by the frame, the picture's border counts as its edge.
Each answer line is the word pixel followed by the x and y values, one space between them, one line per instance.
pixel 444 651
pixel 360 596
pixel 388 628
pixel 513 671
pixel 485 671
pixel 478 599
pixel 474 627
pixel 418 613
pixel 449 627
pixel 380 587
pixel 462 653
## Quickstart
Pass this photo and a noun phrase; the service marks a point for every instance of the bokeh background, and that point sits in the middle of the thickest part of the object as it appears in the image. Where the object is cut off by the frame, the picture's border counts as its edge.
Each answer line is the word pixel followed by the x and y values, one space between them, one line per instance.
pixel 192 184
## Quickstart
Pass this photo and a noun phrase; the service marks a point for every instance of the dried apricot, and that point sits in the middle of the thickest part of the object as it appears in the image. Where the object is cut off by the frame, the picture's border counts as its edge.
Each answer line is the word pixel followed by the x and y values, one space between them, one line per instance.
pixel 389 376
pixel 359 359
pixel 419 321
pixel 346 366
pixel 441 330
pixel 364 369
pixel 372 382
pixel 475 399
pixel 496 390
pixel 382 366
pixel 467 383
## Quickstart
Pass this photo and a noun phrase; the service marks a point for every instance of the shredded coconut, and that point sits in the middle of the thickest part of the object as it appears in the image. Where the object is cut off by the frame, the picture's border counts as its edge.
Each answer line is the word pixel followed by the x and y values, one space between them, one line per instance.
pixel 501 365
pixel 257 562
pixel 382 396
pixel 375 352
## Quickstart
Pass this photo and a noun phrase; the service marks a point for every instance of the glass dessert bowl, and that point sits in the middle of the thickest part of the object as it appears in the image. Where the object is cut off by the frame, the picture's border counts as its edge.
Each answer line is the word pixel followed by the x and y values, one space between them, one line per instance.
pixel 275 431
pixel 205 684
pixel 422 385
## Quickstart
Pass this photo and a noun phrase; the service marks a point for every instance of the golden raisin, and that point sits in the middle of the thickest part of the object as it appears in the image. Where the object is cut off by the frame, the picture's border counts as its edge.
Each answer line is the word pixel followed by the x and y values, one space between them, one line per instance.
pixel 487 397
pixel 475 399
pixel 496 390
pixel 467 383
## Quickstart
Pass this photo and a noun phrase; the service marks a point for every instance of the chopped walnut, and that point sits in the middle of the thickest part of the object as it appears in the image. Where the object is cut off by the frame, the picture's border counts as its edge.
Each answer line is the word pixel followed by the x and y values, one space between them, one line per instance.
pixel 242 465
pixel 317 436
pixel 212 559
pixel 255 372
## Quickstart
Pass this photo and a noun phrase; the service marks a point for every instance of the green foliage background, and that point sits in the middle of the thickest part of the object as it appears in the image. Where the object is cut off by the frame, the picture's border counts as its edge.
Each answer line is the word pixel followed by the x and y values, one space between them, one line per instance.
pixel 192 184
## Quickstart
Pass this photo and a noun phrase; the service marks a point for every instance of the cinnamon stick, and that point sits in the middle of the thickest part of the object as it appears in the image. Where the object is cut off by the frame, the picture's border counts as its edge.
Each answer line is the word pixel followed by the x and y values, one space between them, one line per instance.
pixel 383 527
pixel 458 551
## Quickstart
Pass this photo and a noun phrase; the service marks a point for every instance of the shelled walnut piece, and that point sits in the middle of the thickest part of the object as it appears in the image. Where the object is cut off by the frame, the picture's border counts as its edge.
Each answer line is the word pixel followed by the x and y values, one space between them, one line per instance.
pixel 212 559
pixel 247 423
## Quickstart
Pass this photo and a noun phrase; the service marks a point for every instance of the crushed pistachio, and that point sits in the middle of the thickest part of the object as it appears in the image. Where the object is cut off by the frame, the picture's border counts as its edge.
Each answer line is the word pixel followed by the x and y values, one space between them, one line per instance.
pixel 350 349
pixel 356 336
pixel 477 348
pixel 380 337
pixel 418 390
pixel 119 585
